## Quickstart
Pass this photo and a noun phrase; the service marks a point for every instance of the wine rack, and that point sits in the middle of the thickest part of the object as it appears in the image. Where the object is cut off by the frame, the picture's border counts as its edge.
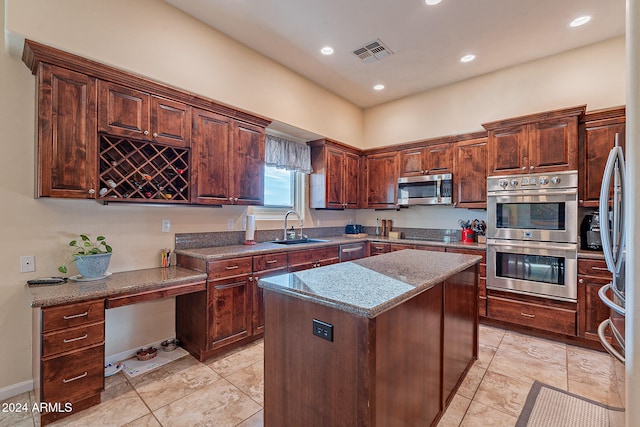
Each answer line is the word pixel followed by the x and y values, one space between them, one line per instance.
pixel 137 171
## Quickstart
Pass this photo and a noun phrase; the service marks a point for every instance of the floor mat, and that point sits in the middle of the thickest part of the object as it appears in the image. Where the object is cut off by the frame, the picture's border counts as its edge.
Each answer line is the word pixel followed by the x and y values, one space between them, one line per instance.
pixel 548 406
pixel 134 367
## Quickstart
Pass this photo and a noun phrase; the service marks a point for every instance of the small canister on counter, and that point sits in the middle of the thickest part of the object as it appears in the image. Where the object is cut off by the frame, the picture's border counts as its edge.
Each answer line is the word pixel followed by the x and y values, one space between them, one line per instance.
pixel 383 223
pixel 467 235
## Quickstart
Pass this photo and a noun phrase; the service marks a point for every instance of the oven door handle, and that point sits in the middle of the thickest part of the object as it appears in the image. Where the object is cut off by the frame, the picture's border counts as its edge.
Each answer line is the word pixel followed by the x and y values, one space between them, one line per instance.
pixel 534 193
pixel 547 246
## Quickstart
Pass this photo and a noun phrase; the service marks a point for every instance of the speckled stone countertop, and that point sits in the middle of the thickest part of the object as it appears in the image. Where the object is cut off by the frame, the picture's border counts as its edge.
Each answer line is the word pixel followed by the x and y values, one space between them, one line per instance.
pixel 222 252
pixel 118 283
pixel 370 286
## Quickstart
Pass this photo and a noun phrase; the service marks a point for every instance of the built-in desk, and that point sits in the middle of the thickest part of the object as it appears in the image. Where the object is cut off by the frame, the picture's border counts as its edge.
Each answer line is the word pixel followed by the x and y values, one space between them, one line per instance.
pixel 68 331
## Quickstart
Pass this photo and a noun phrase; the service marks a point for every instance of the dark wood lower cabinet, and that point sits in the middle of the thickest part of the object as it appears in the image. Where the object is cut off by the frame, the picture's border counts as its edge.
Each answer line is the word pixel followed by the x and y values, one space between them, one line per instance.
pixel 385 371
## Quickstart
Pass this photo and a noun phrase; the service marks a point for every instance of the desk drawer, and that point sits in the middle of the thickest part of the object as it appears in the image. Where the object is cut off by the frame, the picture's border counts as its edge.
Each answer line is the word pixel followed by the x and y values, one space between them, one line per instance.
pixel 72 338
pixel 74 376
pixel 70 315
pixel 554 319
pixel 229 268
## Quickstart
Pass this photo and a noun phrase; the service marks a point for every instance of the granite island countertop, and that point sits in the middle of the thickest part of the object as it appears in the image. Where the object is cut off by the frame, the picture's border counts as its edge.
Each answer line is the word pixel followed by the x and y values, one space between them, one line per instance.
pixel 370 286
pixel 116 284
pixel 232 251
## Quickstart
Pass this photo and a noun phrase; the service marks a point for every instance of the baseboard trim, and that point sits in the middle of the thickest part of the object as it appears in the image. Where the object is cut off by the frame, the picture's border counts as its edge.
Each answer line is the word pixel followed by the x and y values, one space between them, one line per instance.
pixel 15 389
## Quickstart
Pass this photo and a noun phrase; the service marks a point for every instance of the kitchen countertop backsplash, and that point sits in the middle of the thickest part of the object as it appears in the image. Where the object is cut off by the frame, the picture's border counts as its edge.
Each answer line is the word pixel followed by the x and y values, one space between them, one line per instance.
pixel 185 241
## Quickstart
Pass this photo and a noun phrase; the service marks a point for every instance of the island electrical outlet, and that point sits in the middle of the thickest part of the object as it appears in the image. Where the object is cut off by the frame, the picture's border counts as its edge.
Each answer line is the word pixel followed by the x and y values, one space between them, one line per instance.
pixel 323 330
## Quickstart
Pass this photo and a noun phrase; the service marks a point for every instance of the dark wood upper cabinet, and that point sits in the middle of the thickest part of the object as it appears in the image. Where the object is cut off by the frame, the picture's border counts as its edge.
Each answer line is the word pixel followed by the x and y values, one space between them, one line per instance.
pixel 246 157
pixel 382 180
pixel 470 176
pixel 210 165
pixel 433 159
pixel 597 132
pixel 334 181
pixel 67 138
pixel 538 143
pixel 227 159
pixel 136 114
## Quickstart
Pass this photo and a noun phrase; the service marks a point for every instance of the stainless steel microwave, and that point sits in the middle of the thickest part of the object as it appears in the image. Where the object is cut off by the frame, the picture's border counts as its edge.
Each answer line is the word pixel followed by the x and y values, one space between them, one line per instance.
pixel 425 190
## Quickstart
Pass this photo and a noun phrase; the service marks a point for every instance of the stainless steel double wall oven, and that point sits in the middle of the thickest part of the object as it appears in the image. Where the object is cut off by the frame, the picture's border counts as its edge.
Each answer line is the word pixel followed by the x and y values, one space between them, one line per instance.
pixel 532 234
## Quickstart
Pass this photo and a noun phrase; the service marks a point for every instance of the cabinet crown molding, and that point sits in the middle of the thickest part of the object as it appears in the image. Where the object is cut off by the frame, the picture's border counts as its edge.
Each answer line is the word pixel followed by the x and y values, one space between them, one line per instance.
pixel 35 53
pixel 530 118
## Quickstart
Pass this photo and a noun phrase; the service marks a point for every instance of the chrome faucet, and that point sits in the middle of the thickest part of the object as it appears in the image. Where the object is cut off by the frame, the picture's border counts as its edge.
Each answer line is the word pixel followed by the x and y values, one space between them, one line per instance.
pixel 284 236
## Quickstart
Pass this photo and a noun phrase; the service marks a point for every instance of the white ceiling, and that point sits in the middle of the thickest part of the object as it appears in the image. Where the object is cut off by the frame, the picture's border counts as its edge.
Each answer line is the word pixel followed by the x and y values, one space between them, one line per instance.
pixel 427 41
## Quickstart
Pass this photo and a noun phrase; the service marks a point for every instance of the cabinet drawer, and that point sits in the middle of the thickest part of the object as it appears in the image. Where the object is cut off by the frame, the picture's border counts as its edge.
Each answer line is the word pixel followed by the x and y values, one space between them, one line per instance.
pixel 593 267
pixel 312 255
pixel 229 267
pixel 74 376
pixel 269 261
pixel 431 248
pixel 552 319
pixel 379 248
pixel 72 338
pixel 482 253
pixel 70 315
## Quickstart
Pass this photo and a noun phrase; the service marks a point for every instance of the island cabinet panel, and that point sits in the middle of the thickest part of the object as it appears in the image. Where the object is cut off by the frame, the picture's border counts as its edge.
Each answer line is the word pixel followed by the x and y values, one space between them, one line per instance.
pixel 597 138
pixel 470 173
pixel 309 381
pixel 537 143
pixel 386 370
pixel 381 180
pixel 460 346
pixel 67 154
pixel 407 375
pixel 335 176
pixel 482 277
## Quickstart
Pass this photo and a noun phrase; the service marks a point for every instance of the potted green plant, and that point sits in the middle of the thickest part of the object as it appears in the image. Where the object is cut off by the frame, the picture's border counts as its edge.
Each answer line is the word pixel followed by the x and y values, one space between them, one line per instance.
pixel 91 256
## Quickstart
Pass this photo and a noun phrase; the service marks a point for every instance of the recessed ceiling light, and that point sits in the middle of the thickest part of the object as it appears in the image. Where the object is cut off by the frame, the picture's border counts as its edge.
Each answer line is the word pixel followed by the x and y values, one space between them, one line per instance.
pixel 327 50
pixel 468 58
pixel 378 87
pixel 432 2
pixel 580 21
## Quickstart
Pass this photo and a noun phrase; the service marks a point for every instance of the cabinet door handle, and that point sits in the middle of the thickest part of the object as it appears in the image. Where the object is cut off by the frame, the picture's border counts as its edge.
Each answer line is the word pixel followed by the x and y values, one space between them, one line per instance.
pixel 251 278
pixel 73 316
pixel 232 267
pixel 235 199
pixel 600 268
pixel 146 132
pixel 75 339
pixel 231 199
pixel 528 315
pixel 92 191
pixel 155 135
pixel 580 280
pixel 531 167
pixel 524 168
pixel 68 380
pixel 272 261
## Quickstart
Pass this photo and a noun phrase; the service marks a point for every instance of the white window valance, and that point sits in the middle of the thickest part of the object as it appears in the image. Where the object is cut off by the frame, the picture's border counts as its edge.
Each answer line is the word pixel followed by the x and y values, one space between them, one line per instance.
pixel 289 155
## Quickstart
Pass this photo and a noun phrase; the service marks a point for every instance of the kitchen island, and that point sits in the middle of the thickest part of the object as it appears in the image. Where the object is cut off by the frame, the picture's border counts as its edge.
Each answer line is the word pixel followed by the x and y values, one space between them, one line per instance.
pixel 378 341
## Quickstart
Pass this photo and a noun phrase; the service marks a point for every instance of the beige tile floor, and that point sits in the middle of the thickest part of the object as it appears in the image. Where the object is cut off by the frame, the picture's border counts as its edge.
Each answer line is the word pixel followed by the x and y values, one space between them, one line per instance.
pixel 229 390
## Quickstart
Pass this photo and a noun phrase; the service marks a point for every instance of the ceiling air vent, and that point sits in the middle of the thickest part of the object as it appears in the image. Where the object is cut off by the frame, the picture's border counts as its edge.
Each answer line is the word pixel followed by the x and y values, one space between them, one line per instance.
pixel 372 51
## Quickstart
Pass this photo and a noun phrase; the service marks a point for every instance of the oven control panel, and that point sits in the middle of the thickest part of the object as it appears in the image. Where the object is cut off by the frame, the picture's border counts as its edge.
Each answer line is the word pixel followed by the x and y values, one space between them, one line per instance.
pixel 533 181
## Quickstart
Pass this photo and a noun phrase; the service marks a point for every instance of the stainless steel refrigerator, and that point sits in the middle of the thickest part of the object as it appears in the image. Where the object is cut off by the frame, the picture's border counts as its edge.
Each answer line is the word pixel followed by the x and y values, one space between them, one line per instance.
pixel 612 234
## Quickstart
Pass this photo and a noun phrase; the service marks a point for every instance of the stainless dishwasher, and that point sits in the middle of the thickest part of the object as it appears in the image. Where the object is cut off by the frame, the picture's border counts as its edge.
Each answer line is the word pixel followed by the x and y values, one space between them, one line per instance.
pixel 351 251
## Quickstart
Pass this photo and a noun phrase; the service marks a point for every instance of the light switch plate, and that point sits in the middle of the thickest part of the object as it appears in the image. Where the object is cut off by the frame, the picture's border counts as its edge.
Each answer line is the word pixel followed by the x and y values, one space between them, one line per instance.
pixel 166 225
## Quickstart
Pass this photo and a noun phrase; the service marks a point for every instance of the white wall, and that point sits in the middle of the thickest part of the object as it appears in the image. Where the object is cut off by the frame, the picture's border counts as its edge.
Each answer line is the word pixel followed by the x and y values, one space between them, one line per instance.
pixel 593 75
pixel 151 38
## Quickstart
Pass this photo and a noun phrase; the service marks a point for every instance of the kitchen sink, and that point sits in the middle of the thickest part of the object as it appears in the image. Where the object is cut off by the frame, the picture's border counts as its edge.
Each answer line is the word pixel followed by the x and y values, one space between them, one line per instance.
pixel 298 241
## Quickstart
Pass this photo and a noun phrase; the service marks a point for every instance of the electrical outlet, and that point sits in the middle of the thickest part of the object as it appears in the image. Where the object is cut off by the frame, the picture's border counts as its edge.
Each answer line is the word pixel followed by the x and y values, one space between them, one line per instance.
pixel 27 263
pixel 323 330
pixel 166 225
pixel 230 224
